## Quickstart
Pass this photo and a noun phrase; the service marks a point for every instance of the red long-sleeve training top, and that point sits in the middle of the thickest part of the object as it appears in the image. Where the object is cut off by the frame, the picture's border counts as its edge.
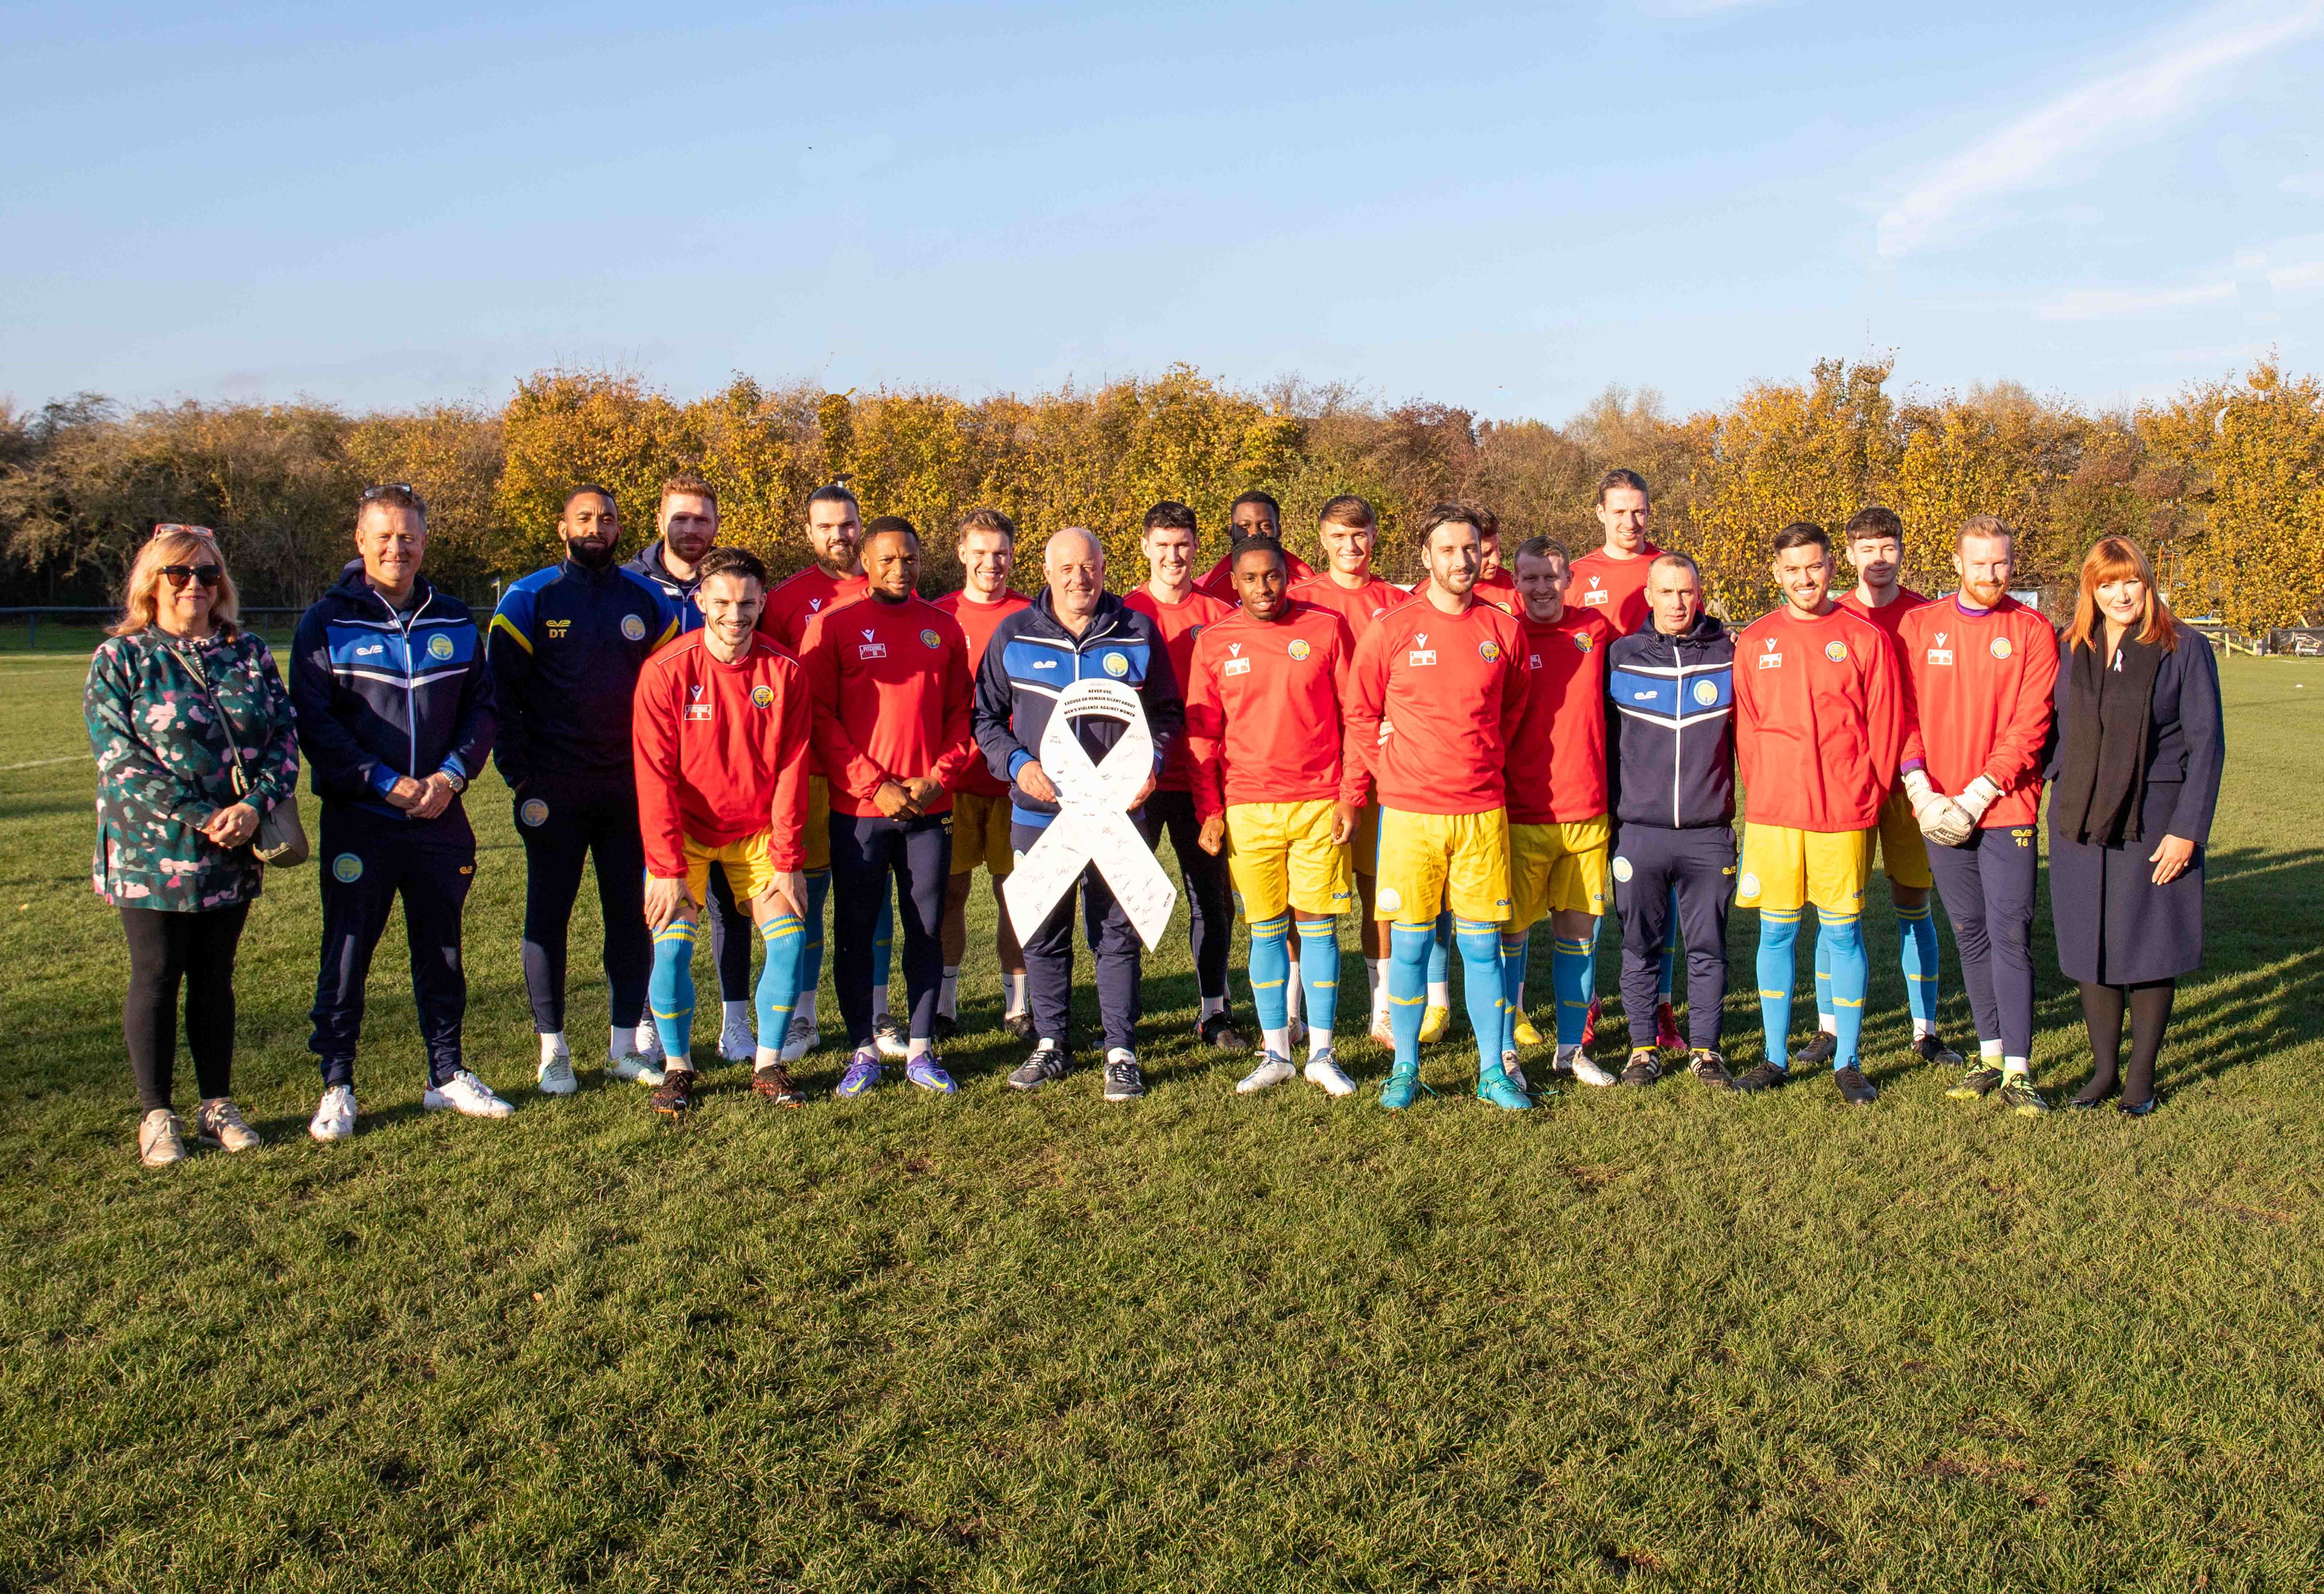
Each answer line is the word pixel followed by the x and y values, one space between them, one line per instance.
pixel 1220 582
pixel 1263 717
pixel 1180 622
pixel 721 751
pixel 892 691
pixel 1453 687
pixel 1358 605
pixel 1614 588
pixel 1557 759
pixel 1819 720
pixel 978 622
pixel 1977 700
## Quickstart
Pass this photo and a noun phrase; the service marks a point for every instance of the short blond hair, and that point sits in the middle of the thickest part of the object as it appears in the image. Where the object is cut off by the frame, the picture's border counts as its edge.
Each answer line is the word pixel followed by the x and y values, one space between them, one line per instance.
pixel 174 544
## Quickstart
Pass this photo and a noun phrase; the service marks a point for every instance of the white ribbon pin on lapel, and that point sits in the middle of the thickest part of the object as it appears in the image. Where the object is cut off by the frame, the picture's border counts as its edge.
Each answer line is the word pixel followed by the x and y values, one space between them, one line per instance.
pixel 1092 824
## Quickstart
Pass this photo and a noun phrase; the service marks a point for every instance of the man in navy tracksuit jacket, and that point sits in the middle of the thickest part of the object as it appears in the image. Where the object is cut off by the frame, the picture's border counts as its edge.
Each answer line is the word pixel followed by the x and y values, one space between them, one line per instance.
pixel 1033 655
pixel 566 646
pixel 1669 688
pixel 394 703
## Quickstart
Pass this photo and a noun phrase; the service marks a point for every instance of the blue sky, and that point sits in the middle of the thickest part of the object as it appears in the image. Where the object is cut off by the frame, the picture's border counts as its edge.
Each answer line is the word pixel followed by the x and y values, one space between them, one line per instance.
pixel 1508 208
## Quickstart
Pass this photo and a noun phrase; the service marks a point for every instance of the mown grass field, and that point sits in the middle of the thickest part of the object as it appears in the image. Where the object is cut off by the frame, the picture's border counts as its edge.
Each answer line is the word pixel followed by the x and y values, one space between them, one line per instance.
pixel 1645 1339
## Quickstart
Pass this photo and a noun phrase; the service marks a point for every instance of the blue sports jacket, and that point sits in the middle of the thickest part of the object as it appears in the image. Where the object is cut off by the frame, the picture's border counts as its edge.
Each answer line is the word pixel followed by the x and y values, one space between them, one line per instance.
pixel 1031 658
pixel 1672 733
pixel 380 695
pixel 566 646
pixel 649 564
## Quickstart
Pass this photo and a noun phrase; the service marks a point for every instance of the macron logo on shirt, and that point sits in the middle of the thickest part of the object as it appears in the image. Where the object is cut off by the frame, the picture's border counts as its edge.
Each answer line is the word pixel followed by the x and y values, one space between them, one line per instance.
pixel 1941 654
pixel 1771 659
pixel 1421 654
pixel 1597 593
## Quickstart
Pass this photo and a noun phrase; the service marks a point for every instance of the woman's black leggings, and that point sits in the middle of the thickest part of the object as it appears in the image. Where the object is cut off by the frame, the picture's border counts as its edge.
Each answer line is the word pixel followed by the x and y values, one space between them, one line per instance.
pixel 2150 1016
pixel 165 949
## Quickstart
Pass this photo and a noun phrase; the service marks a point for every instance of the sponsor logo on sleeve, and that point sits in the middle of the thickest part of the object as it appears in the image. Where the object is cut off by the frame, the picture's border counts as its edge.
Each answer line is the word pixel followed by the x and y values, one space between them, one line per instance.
pixel 633 626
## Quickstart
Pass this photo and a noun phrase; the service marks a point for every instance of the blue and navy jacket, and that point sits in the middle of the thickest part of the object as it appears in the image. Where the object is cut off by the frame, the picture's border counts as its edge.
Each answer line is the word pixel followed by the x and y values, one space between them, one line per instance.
pixel 380 695
pixel 1670 726
pixel 649 564
pixel 1031 658
pixel 566 646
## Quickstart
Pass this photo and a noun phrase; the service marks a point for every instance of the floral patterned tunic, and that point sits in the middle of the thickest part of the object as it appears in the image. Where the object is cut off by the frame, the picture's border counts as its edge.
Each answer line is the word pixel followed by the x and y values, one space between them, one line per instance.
pixel 163 768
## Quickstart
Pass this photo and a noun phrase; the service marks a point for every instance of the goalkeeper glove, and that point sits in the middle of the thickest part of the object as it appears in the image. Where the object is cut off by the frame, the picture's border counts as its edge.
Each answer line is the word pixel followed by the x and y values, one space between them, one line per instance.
pixel 1976 798
pixel 1941 819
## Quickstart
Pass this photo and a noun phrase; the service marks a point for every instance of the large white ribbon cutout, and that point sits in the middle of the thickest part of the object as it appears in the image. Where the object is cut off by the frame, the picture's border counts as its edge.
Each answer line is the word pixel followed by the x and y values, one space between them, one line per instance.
pixel 1092 824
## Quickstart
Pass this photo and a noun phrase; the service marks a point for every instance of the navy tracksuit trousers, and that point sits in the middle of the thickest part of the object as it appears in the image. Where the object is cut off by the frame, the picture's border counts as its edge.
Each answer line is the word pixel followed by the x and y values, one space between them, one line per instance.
pixel 1986 885
pixel 867 851
pixel 368 861
pixel 560 825
pixel 1649 862
pixel 1113 941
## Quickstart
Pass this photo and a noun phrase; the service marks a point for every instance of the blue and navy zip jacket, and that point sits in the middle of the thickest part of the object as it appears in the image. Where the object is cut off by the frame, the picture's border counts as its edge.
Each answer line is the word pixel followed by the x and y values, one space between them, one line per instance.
pixel 380 694
pixel 566 646
pixel 649 564
pixel 1031 659
pixel 1670 726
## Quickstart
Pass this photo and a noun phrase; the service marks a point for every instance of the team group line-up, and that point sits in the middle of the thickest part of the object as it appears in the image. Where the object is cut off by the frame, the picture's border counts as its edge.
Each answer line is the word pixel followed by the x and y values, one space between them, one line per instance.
pixel 1549 736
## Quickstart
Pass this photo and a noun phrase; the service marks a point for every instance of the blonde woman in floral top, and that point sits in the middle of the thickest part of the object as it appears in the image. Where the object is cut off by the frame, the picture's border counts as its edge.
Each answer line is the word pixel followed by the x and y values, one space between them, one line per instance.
pixel 173 833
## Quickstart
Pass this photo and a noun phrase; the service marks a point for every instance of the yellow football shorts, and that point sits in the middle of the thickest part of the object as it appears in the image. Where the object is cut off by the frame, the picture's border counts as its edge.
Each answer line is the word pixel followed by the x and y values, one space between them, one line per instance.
pixel 1560 867
pixel 1903 852
pixel 748 870
pixel 1786 869
pixel 1363 841
pixel 816 843
pixel 1282 855
pixel 1430 861
pixel 980 834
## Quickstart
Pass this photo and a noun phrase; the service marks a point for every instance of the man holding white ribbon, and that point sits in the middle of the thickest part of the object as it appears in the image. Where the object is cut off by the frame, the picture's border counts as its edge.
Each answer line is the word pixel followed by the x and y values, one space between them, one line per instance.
pixel 1075 631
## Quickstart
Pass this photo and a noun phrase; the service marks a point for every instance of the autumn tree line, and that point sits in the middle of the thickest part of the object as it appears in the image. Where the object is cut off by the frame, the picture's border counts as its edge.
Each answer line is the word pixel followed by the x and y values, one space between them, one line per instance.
pixel 2224 484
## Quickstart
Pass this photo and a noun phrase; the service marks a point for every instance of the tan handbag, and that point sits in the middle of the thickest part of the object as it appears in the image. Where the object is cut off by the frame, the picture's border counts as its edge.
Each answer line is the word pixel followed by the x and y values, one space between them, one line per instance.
pixel 282 839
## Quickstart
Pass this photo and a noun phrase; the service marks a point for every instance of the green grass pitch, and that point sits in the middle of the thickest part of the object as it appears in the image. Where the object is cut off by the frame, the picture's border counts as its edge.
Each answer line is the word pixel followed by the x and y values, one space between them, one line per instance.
pixel 1646 1339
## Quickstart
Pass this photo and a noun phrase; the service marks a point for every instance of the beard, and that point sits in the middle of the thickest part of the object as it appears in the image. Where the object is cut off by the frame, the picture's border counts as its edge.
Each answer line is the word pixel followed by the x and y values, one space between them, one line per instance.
pixel 595 556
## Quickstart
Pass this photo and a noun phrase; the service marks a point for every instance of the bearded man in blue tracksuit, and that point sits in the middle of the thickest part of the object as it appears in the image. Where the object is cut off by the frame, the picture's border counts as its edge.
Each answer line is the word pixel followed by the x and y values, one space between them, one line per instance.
pixel 1073 630
pixel 566 646
pixel 1669 688
pixel 394 702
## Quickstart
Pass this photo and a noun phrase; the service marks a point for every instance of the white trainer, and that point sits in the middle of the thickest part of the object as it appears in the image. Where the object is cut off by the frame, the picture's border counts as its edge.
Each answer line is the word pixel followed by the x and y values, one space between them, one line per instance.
pixel 1586 1069
pixel 801 1038
pixel 555 1075
pixel 1382 1031
pixel 737 1041
pixel 160 1139
pixel 1516 1074
pixel 466 1095
pixel 636 1069
pixel 336 1118
pixel 1272 1072
pixel 219 1122
pixel 1323 1071
pixel 648 1046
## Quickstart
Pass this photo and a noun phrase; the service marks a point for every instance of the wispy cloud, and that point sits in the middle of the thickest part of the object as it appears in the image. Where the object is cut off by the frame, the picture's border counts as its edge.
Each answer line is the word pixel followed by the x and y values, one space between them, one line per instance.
pixel 2175 73
pixel 2250 281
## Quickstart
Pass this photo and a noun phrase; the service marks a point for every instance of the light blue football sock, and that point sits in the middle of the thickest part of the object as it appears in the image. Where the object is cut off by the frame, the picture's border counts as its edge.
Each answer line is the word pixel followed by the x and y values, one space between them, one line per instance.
pixel 1568 976
pixel 1480 987
pixel 1779 931
pixel 778 979
pixel 1319 972
pixel 1917 936
pixel 1270 969
pixel 1408 986
pixel 1517 949
pixel 1851 975
pixel 670 990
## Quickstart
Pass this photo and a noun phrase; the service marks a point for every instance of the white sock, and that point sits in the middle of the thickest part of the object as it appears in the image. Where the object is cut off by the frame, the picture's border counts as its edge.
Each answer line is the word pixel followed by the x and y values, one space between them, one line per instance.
pixel 648 1039
pixel 1440 992
pixel 806 1006
pixel 1013 984
pixel 948 994
pixel 1319 1041
pixel 880 999
pixel 1119 1054
pixel 1372 978
pixel 624 1041
pixel 1828 1023
pixel 919 1046
pixel 742 1012
pixel 1292 993
pixel 553 1044
pixel 1277 1041
pixel 1566 1054
pixel 1922 1028
pixel 1986 1050
pixel 2016 1067
pixel 1211 1004
pixel 767 1057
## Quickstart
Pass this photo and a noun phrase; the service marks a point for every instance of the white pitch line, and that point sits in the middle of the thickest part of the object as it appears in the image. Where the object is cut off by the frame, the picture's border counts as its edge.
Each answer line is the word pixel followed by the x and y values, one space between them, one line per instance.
pixel 40 763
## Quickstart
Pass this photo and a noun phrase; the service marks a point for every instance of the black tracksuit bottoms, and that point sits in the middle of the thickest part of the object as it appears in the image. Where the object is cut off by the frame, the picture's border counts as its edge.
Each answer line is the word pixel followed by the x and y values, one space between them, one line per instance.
pixel 560 825
pixel 1649 862
pixel 367 862
pixel 867 851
